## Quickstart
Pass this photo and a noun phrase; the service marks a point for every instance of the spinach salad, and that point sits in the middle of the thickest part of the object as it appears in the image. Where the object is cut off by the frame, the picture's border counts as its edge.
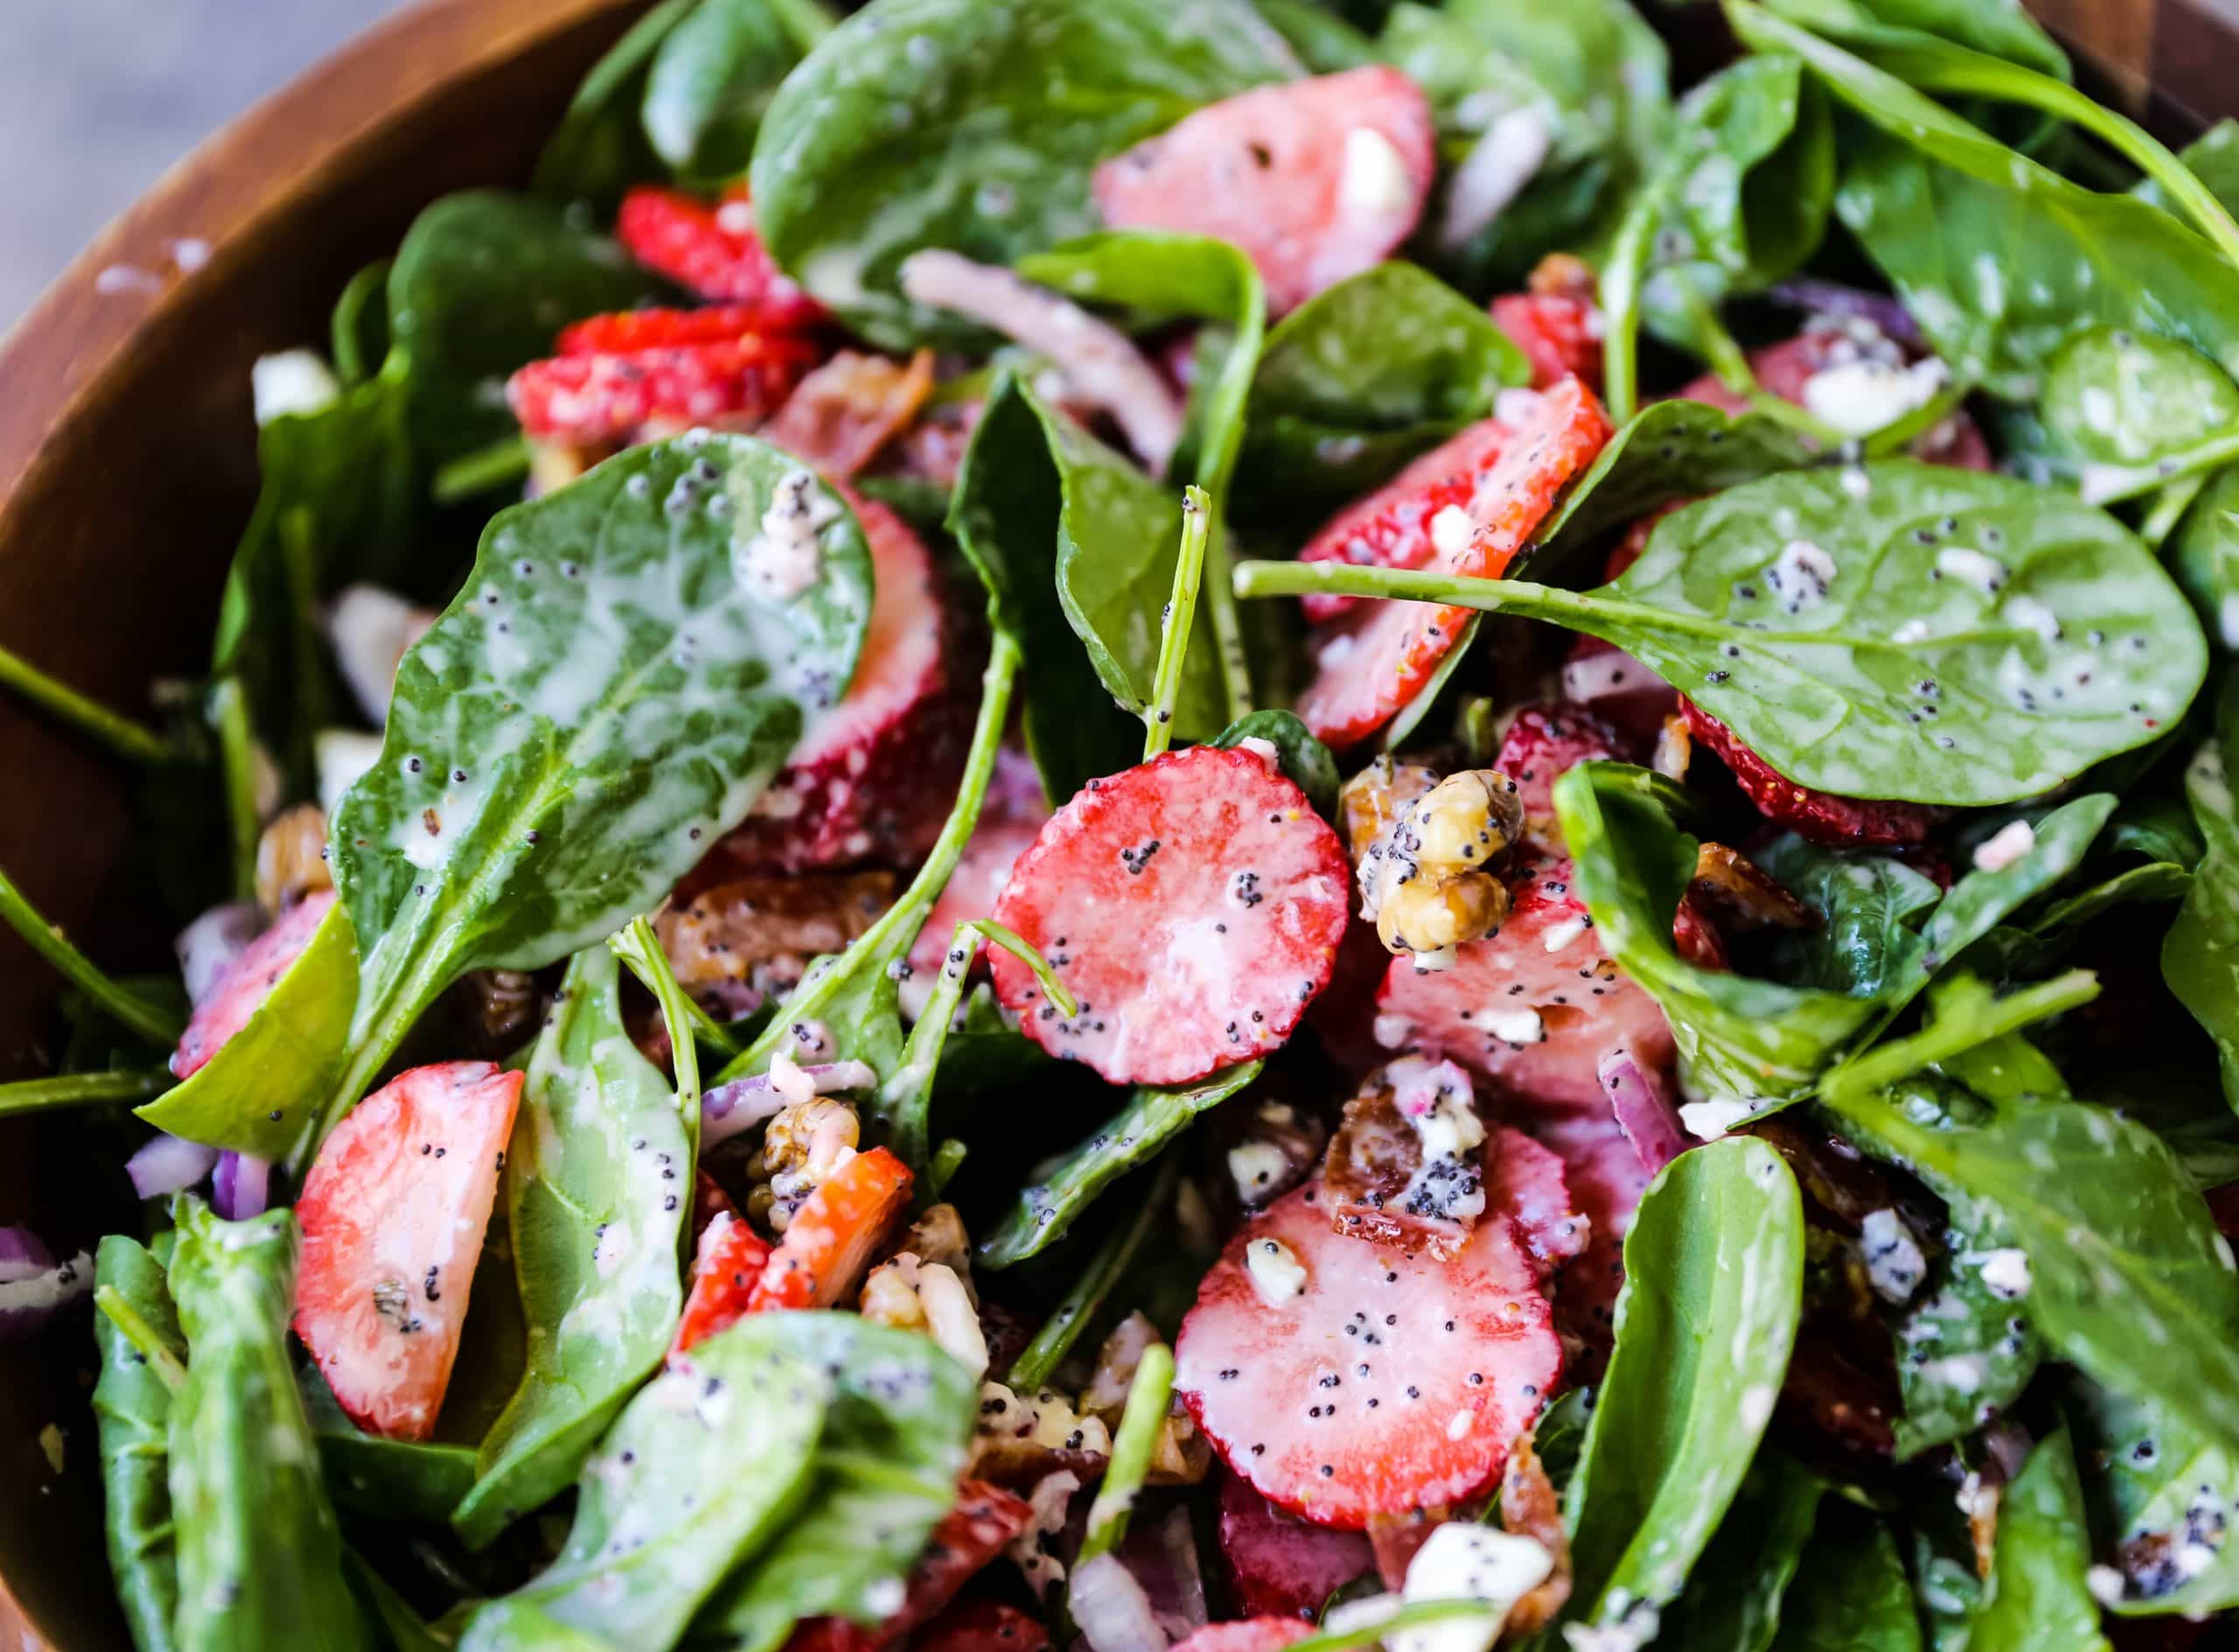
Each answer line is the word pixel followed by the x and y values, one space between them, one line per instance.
pixel 1102 824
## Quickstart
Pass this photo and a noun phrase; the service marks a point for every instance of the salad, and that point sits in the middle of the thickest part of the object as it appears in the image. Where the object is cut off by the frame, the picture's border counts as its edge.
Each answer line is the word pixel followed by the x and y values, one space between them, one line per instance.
pixel 1093 824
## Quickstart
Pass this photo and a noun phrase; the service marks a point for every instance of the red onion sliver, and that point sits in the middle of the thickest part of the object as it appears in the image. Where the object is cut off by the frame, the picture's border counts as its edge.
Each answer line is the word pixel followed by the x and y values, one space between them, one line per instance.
pixel 1831 298
pixel 33 1285
pixel 1111 1609
pixel 165 1164
pixel 240 1187
pixel 727 1109
pixel 1644 1110
pixel 207 947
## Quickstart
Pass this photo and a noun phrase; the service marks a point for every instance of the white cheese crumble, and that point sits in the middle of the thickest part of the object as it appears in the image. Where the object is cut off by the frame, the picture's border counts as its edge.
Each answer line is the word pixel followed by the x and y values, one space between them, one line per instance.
pixel 2008 844
pixel 1255 1167
pixel 784 559
pixel 1375 180
pixel 1803 575
pixel 1708 1120
pixel 1263 749
pixel 1277 1273
pixel 1451 530
pixel 1392 1032
pixel 292 381
pixel 1861 396
pixel 2105 1585
pixel 1894 1262
pixel 2006 1273
pixel 1519 1026
pixel 1984 573
pixel 1462 1560
pixel 1562 935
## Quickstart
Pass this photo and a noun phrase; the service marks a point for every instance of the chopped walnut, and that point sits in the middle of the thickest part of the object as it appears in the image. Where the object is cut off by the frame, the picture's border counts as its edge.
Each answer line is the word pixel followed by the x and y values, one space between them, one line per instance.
pixel 1564 276
pixel 912 1295
pixel 1741 892
pixel 742 943
pixel 1430 880
pixel 1675 749
pixel 1181 1454
pixel 1023 1436
pixel 1406 1167
pixel 292 858
pixel 1373 798
pixel 500 1009
pixel 938 1235
pixel 805 1144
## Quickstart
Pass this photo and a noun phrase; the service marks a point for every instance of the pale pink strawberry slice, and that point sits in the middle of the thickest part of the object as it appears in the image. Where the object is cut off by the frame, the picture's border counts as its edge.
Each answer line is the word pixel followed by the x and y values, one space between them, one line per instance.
pixel 1193 905
pixel 392 1213
pixel 1560 333
pixel 873 777
pixel 1378 659
pixel 1392 527
pixel 1536 1006
pixel 246 983
pixel 1252 1635
pixel 1606 1178
pixel 1385 1382
pixel 1279 1566
pixel 1009 821
pixel 1315 180
pixel 1543 744
pixel 1527 1181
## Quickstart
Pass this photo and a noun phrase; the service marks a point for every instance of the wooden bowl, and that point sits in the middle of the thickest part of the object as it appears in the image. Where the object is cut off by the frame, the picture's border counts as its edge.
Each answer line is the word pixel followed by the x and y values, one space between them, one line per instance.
pixel 126 471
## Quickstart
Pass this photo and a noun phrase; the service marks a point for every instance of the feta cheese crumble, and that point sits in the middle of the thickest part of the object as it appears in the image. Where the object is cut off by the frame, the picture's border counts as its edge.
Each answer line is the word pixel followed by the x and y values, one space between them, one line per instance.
pixel 2008 844
pixel 1277 1273
pixel 1462 1560
pixel 1894 1262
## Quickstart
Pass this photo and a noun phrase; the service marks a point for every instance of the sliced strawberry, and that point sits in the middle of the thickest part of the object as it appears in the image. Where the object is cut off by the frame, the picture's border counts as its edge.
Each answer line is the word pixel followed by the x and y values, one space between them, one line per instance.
pixel 726 1271
pixel 626 333
pixel 830 1242
pixel 983 1626
pixel 392 1213
pixel 1279 1566
pixel 1193 905
pixel 1559 335
pixel 1315 179
pixel 245 984
pixel 708 1202
pixel 1543 744
pixel 1388 1383
pixel 841 415
pixel 1821 816
pixel 1376 659
pixel 1526 1182
pixel 874 776
pixel 1606 1178
pixel 1009 821
pixel 590 400
pixel 1252 1634
pixel 714 250
pixel 1536 1006
pixel 1392 527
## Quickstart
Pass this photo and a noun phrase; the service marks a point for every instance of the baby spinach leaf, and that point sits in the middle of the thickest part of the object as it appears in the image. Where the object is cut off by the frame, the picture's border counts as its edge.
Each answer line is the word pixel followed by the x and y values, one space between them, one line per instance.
pixel 599 149
pixel 974 125
pixel 260 1556
pixel 2200 955
pixel 2128 1279
pixel 1048 1207
pixel 1741 1039
pixel 357 331
pixel 2156 1486
pixel 1713 1284
pixel 1861 1600
pixel 2213 158
pixel 1962 1014
pixel 598 1178
pixel 1987 26
pixel 1740 1586
pixel 1305 761
pixel 132 1404
pixel 705 1467
pixel 1870 909
pixel 2206 554
pixel 480 286
pixel 1904 643
pixel 2116 396
pixel 389 1479
pixel 1325 43
pixel 713 75
pixel 884 1473
pixel 605 697
pixel 2034 1598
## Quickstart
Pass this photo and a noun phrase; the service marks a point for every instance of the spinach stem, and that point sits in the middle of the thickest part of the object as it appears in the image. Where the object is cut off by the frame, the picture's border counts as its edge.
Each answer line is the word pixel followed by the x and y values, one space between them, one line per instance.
pixel 2169 507
pixel 1148 1397
pixel 705 1027
pixel 117 733
pixel 1070 1317
pixel 146 1340
pixel 638 946
pixel 237 760
pixel 80 1090
pixel 1952 1033
pixel 1405 1617
pixel 121 1004
pixel 1175 623
pixel 482 471
pixel 1621 299
pixel 2111 483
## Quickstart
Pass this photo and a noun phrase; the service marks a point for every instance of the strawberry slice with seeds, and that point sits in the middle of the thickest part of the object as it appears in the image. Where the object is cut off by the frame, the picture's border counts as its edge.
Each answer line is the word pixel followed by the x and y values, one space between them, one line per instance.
pixel 624 332
pixel 1823 817
pixel 1543 744
pixel 1527 1180
pixel 983 1626
pixel 727 1269
pixel 1559 335
pixel 244 985
pixel 393 1214
pixel 596 398
pixel 1604 1175
pixel 1009 821
pixel 1380 1383
pixel 1315 180
pixel 829 1243
pixel 1378 659
pixel 1194 907
pixel 1279 1566
pixel 714 250
pixel 1252 1635
pixel 1392 527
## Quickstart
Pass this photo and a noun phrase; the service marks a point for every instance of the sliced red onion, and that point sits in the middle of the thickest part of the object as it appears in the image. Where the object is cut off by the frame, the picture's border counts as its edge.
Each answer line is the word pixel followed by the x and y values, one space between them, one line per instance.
pixel 1645 1109
pixel 1831 298
pixel 1163 1558
pixel 727 1109
pixel 208 946
pixel 240 1187
pixel 165 1164
pixel 1100 364
pixel 1111 1610
pixel 1493 174
pixel 33 1285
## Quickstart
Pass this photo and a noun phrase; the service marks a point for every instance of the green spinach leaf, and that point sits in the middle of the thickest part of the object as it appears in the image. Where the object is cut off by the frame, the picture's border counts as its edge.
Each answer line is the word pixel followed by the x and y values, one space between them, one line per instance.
pixel 132 1404
pixel 1327 43
pixel 388 1479
pixel 357 331
pixel 2213 158
pixel 2156 1487
pixel 599 148
pixel 713 75
pixel 1861 1600
pixel 2035 1599
pixel 2116 396
pixel 1987 26
pixel 1306 763
pixel 1870 909
pixel 2200 955
pixel 2206 554
pixel 1739 1593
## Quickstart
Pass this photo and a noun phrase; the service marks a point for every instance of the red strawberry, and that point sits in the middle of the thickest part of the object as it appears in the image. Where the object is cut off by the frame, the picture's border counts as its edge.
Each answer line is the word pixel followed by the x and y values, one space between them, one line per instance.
pixel 726 1271
pixel 1537 1005
pixel 846 410
pixel 1193 905
pixel 392 1213
pixel 245 984
pixel 1392 527
pixel 873 777
pixel 830 1242
pixel 1315 179
pixel 1543 744
pixel 1279 1566
pixel 1559 334
pixel 983 1626
pixel 973 1532
pixel 626 333
pixel 1605 1179
pixel 1252 1634
pixel 590 400
pixel 1526 1181
pixel 1821 816
pixel 1009 821
pixel 1378 659
pixel 714 250
pixel 1387 1382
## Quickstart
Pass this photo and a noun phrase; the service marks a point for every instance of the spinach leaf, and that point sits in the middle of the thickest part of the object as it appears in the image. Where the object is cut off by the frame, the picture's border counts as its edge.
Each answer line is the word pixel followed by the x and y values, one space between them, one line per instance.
pixel 1987 26
pixel 1870 909
pixel 1905 644
pixel 2035 1599
pixel 606 695
pixel 705 1467
pixel 1861 1600
pixel 599 149
pixel 1713 1284
pixel 597 1191
pixel 358 332
pixel 884 1473
pixel 132 1404
pixel 974 125
pixel 1306 763
pixel 1325 43
pixel 1047 1207
pixel 2116 396
pixel 480 286
pixel 713 75
pixel 1740 1588
pixel 1741 1040
pixel 2206 554
pixel 2213 158
pixel 2128 1279
pixel 2155 1485
pixel 389 1479
pixel 2200 955
pixel 260 1556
